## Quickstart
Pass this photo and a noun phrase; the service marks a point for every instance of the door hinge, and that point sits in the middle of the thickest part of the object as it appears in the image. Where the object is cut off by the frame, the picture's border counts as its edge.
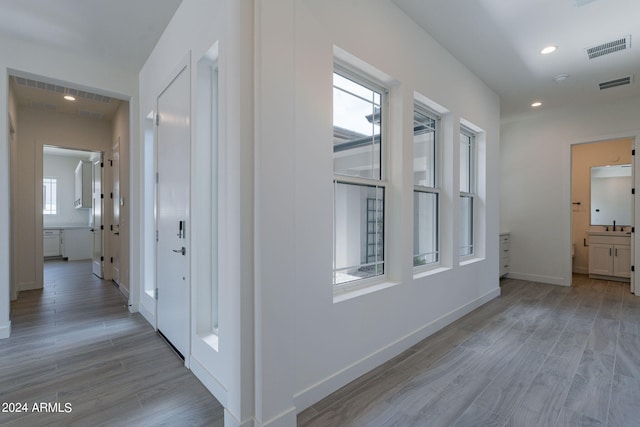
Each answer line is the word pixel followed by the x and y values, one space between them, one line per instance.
pixel 111 227
pixel 633 191
pixel 633 229
pixel 633 152
pixel 156 235
pixel 101 258
pixel 101 227
pixel 156 293
pixel 102 196
pixel 111 260
pixel 111 195
pixel 157 177
pixel 157 119
pixel 633 268
pixel 101 164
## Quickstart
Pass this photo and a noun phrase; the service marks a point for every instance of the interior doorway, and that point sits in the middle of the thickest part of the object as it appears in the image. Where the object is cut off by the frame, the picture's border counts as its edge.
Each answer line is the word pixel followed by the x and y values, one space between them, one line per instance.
pixel 87 124
pixel 602 209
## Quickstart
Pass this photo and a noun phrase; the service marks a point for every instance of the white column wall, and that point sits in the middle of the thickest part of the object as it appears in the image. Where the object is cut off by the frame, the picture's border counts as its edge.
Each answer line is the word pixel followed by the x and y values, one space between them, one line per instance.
pixel 306 342
pixel 536 184
pixel 195 28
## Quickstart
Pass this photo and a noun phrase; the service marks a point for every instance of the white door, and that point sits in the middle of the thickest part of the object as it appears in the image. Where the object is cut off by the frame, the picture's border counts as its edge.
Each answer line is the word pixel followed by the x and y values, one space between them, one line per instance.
pixel 97 229
pixel 173 212
pixel 115 227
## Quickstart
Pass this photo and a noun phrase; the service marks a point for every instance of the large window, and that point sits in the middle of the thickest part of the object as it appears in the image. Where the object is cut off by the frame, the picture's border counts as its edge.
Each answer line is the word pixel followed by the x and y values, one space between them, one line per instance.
pixel 358 181
pixel 50 196
pixel 425 188
pixel 467 192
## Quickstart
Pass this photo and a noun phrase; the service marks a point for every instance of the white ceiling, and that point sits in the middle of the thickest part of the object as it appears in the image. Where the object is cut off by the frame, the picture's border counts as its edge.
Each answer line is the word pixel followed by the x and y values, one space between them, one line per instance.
pixel 122 31
pixel 500 42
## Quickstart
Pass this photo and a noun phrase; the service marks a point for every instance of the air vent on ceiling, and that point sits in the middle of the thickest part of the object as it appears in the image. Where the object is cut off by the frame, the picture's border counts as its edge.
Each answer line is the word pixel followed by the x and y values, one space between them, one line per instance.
pixel 617 82
pixel 622 43
pixel 62 90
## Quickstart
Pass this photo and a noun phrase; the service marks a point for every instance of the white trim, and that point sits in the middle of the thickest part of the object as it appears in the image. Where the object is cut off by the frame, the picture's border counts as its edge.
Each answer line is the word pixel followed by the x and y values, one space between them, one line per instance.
pixel 5 331
pixel 551 280
pixel 28 286
pixel 214 386
pixel 148 315
pixel 314 393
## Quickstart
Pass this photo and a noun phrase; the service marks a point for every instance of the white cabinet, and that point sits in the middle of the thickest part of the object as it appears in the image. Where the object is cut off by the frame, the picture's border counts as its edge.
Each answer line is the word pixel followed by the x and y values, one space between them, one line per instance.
pixel 51 246
pixel 78 244
pixel 610 256
pixel 83 185
pixel 504 253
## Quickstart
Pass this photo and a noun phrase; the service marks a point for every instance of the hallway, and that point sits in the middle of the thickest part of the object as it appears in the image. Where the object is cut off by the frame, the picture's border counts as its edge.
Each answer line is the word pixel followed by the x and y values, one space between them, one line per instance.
pixel 74 342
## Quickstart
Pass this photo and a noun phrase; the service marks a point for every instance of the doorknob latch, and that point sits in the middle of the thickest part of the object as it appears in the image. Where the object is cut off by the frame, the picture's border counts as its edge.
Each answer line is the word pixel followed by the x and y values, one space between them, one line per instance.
pixel 182 251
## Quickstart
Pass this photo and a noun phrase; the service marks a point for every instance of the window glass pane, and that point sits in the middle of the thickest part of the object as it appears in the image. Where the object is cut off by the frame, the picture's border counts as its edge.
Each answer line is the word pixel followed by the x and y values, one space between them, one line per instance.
pixel 356 129
pixel 425 230
pixel 465 163
pixel 424 150
pixel 466 225
pixel 358 232
pixel 49 196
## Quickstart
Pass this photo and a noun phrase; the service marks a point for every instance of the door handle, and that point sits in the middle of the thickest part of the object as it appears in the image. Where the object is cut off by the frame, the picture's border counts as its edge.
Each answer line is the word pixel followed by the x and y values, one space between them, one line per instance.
pixel 182 251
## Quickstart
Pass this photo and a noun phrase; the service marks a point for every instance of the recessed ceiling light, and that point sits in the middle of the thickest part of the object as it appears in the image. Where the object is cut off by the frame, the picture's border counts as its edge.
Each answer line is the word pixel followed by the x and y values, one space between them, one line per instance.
pixel 561 77
pixel 536 104
pixel 548 50
pixel 69 98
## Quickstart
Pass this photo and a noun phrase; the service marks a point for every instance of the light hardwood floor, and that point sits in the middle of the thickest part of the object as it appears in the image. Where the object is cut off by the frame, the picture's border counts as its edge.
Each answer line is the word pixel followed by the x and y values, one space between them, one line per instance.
pixel 539 355
pixel 75 342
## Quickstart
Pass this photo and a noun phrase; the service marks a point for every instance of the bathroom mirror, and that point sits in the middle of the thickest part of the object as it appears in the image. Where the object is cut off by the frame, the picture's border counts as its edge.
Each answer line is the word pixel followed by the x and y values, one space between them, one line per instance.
pixel 611 195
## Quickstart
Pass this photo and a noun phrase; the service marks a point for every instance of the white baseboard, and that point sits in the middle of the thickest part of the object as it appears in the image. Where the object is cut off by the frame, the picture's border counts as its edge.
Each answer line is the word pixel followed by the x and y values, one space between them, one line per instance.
pixel 147 314
pixel 28 286
pixel 581 270
pixel 307 397
pixel 551 280
pixel 214 386
pixel 124 291
pixel 5 331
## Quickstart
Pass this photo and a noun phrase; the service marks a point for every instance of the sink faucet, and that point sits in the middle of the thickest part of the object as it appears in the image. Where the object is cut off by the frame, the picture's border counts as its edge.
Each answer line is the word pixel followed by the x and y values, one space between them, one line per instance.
pixel 614 225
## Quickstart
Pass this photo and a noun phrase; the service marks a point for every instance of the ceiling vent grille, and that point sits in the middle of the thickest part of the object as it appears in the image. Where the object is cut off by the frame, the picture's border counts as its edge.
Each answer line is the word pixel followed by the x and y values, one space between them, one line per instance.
pixel 617 82
pixel 62 90
pixel 623 43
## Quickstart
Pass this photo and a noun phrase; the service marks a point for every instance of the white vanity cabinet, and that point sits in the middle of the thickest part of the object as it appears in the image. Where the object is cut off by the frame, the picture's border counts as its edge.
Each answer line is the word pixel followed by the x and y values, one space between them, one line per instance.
pixel 610 256
pixel 83 178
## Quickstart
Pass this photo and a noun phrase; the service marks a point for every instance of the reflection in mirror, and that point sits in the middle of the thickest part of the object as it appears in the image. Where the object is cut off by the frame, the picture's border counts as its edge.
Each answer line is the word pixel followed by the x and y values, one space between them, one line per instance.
pixel 611 195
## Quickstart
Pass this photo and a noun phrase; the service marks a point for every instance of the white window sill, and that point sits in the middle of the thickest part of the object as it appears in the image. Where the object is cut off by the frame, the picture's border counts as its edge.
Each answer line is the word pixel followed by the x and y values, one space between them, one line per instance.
pixel 347 294
pixel 472 260
pixel 429 272
pixel 211 340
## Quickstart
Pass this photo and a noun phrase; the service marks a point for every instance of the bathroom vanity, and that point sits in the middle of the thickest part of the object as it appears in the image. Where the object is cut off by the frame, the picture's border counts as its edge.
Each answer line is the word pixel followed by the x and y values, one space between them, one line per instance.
pixel 610 255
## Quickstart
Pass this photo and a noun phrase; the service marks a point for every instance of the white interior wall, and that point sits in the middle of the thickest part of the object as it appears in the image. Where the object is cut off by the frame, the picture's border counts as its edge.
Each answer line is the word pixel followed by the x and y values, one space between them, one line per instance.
pixel 298 323
pixel 63 168
pixel 535 189
pixel 13 189
pixel 90 72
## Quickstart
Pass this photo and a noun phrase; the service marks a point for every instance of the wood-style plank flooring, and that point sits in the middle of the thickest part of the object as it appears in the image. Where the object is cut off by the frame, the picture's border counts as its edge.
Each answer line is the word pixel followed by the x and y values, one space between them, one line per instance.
pixel 539 355
pixel 74 342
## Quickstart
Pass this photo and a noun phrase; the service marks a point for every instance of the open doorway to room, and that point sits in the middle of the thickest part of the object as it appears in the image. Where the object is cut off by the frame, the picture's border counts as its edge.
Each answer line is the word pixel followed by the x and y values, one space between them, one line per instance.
pixel 602 210
pixel 63 188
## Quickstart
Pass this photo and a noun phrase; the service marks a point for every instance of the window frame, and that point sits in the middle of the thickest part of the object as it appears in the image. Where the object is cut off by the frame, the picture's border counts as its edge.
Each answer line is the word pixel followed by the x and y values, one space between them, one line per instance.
pixel 54 179
pixel 363 79
pixel 472 194
pixel 435 189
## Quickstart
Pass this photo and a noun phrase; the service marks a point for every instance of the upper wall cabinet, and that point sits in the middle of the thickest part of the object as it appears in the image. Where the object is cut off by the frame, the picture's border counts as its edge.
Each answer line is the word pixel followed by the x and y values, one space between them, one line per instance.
pixel 83 185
